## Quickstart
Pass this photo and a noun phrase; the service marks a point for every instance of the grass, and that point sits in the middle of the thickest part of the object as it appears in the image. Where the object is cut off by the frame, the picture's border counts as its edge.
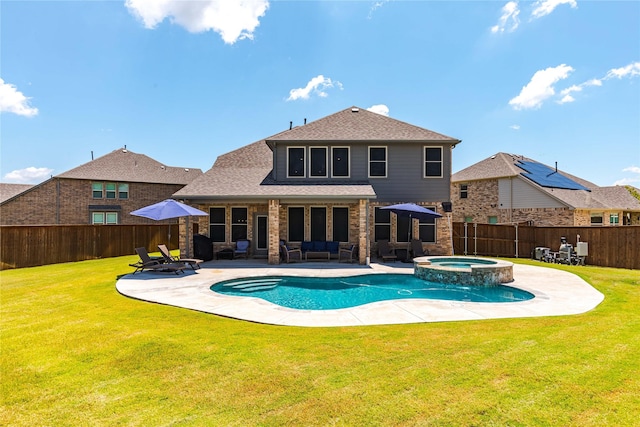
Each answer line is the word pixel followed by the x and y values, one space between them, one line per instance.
pixel 75 352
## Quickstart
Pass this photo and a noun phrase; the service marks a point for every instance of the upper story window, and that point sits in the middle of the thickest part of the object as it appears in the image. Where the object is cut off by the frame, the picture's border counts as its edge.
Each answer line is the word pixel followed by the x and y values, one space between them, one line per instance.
pixel 340 162
pixel 110 188
pixel 295 162
pixel 123 191
pixel 464 191
pixel 433 162
pixel 377 162
pixel 97 190
pixel 318 168
pixel 217 217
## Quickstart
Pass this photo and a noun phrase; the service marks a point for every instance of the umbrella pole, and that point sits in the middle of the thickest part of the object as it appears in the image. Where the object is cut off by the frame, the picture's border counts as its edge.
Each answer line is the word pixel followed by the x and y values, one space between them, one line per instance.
pixel 169 242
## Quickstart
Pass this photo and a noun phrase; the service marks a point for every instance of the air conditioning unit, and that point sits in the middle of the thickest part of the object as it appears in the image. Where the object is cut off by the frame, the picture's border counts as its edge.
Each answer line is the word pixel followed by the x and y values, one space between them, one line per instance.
pixel 582 249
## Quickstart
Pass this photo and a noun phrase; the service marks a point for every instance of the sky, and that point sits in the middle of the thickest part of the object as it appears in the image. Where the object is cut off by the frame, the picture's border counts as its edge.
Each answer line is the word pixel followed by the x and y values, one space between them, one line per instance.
pixel 184 81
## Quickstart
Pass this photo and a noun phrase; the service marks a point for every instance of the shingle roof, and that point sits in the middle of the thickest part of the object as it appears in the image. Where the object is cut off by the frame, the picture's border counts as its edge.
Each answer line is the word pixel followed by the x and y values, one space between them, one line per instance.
pixel 357 124
pixel 246 173
pixel 8 191
pixel 125 165
pixel 503 165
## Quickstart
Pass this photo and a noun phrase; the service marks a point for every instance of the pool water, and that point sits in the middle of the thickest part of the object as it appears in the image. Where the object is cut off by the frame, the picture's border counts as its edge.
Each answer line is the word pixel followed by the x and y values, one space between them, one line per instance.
pixel 315 293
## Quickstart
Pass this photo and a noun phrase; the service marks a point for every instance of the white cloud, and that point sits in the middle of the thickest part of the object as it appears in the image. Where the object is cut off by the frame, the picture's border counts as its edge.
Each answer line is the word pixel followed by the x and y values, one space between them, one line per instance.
pixel 515 127
pixel 233 20
pixel 509 18
pixel 630 70
pixel 317 86
pixel 28 175
pixel 379 109
pixel 540 87
pixel 13 101
pixel 566 93
pixel 377 5
pixel 545 7
pixel 632 180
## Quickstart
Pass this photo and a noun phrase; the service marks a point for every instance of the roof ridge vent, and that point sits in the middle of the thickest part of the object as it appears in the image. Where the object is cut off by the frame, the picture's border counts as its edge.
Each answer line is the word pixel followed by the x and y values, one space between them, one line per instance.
pixel 355 110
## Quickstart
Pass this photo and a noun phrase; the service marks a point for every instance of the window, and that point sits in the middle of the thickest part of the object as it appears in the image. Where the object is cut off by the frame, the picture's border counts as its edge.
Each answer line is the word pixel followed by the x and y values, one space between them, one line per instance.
pixel 377 162
pixel 110 190
pixel 340 224
pixel 428 228
pixel 614 219
pixel 108 218
pixel 238 224
pixel 464 191
pixel 319 224
pixel 382 219
pixel 433 162
pixel 318 162
pixel 596 218
pixel 295 162
pixel 296 224
pixel 493 220
pixel 468 219
pixel 96 188
pixel 217 219
pixel 123 191
pixel 402 228
pixel 340 162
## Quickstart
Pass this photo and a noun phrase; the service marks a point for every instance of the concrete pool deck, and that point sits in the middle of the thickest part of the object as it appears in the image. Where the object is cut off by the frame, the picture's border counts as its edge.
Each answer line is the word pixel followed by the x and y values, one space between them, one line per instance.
pixel 557 293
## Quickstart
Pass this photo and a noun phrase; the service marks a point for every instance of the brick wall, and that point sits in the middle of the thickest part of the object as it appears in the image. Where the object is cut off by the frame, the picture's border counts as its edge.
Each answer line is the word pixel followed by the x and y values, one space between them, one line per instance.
pixel 66 201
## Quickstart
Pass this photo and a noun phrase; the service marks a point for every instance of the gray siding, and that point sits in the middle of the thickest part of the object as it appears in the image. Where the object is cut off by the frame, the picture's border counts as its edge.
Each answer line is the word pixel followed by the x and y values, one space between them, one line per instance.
pixel 517 194
pixel 405 163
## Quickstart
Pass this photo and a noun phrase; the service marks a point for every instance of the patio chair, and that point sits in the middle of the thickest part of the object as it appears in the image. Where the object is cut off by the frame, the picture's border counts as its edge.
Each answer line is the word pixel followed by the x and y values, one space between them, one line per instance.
pixel 148 263
pixel 416 248
pixel 168 258
pixel 385 252
pixel 347 255
pixel 288 255
pixel 242 249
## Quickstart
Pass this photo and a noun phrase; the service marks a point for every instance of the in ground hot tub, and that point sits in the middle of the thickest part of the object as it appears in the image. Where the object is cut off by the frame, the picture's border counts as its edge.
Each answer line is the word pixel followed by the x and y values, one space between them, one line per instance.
pixel 463 270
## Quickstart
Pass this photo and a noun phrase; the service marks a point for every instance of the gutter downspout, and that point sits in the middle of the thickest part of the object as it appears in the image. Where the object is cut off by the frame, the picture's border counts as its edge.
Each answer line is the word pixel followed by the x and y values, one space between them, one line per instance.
pixel 58 202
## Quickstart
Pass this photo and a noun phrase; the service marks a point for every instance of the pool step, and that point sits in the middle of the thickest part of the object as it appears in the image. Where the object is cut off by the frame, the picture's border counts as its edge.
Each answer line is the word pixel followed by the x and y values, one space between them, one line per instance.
pixel 258 288
pixel 254 285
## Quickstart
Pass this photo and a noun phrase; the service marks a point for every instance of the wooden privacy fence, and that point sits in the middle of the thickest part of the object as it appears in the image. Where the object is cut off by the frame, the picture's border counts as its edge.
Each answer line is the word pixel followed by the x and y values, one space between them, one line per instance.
pixel 28 246
pixel 608 246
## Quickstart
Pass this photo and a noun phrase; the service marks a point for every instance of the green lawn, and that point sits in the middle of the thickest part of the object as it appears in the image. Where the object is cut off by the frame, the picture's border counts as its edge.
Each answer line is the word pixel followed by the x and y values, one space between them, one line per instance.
pixel 75 352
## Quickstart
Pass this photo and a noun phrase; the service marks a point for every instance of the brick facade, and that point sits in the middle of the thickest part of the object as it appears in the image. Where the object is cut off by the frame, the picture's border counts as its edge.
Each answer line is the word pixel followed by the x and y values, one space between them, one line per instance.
pixel 67 201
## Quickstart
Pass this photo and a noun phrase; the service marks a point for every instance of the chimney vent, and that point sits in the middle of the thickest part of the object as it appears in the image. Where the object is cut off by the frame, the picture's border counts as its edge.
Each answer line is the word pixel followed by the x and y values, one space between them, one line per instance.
pixel 290 125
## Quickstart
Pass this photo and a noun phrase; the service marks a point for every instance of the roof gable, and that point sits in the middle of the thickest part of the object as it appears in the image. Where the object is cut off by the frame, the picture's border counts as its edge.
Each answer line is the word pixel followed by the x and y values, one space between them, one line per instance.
pixel 125 165
pixel 7 191
pixel 357 124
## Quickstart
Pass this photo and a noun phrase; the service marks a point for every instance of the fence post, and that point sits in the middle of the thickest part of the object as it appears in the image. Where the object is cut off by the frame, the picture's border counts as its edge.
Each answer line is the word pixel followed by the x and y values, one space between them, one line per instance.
pixel 466 237
pixel 516 225
pixel 475 238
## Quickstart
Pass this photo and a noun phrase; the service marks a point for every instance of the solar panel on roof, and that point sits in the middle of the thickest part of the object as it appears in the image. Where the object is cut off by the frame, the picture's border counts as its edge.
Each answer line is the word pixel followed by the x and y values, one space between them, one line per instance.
pixel 547 177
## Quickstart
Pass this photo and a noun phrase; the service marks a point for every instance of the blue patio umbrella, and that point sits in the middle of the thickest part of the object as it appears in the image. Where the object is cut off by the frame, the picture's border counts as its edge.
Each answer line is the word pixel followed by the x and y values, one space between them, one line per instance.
pixel 411 211
pixel 168 209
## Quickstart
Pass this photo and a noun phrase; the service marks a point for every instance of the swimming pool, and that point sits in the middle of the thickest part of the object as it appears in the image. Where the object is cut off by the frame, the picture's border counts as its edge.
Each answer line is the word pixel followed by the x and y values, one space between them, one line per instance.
pixel 314 293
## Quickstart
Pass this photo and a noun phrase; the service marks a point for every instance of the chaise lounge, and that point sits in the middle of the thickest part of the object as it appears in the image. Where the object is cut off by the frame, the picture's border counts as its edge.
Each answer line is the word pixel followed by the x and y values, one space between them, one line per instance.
pixel 148 263
pixel 168 258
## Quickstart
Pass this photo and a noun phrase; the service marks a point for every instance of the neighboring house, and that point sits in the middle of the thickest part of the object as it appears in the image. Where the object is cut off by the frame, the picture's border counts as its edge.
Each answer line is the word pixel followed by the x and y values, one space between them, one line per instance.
pixel 102 191
pixel 324 181
pixel 507 188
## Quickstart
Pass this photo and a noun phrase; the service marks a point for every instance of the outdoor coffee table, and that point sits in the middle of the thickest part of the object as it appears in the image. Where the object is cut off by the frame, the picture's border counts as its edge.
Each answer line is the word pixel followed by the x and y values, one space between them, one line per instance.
pixel 319 255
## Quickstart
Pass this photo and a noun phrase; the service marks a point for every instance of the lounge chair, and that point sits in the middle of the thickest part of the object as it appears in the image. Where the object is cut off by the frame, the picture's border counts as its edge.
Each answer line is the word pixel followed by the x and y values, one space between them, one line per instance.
pixel 347 255
pixel 384 251
pixel 416 248
pixel 242 249
pixel 148 263
pixel 168 258
pixel 288 255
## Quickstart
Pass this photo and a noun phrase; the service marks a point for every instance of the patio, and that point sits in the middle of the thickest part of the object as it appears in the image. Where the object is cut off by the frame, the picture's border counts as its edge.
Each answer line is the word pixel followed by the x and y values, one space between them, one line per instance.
pixel 557 293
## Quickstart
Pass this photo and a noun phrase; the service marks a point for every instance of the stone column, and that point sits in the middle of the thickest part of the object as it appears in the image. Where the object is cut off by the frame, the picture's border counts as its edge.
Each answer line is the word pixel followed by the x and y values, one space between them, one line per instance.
pixel 363 247
pixel 274 231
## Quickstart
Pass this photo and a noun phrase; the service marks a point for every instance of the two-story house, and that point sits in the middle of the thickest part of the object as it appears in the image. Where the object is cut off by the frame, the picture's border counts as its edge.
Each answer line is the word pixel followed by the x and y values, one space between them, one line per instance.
pixel 102 191
pixel 508 188
pixel 326 180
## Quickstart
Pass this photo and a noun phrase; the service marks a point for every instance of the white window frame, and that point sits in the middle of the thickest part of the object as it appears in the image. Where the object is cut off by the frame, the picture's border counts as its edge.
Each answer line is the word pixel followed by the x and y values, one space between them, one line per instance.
pixel 424 161
pixel 105 218
pixel 107 191
pixel 386 161
pixel 326 162
pixel 101 184
pixel 348 175
pixel 614 218
pixel 304 162
pixel 125 187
